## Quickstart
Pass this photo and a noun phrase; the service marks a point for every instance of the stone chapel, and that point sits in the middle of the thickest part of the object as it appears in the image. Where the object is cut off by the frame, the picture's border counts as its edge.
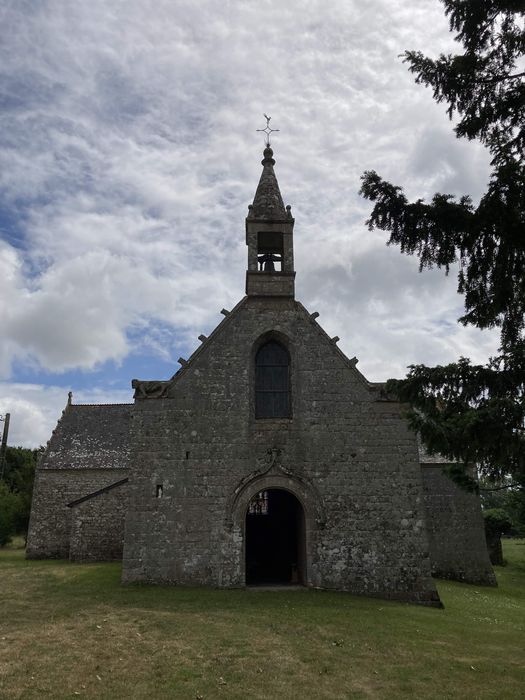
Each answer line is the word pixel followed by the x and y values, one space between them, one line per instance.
pixel 267 458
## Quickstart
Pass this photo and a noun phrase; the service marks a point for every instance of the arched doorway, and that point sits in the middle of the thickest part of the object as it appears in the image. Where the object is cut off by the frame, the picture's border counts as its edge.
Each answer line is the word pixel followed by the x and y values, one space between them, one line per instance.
pixel 275 539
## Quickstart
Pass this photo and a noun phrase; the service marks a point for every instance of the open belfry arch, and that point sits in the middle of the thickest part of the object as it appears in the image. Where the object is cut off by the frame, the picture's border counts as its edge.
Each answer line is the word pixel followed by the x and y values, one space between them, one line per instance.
pixel 267 458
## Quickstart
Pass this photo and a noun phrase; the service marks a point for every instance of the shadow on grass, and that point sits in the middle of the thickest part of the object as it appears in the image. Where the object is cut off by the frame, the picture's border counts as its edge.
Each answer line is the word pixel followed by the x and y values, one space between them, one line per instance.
pixel 167 641
pixel 74 583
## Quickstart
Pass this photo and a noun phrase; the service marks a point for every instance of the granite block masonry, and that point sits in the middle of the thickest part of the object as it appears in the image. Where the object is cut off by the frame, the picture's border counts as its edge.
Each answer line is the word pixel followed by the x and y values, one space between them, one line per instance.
pixel 88 451
pixel 267 458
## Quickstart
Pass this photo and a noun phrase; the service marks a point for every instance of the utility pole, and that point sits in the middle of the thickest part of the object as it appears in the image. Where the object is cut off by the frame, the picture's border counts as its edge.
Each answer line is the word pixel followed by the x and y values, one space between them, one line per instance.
pixel 3 448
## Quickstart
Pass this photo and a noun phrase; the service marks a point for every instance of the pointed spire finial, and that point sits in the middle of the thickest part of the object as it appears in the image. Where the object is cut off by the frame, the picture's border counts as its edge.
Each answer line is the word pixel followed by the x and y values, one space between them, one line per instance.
pixel 267 130
pixel 268 203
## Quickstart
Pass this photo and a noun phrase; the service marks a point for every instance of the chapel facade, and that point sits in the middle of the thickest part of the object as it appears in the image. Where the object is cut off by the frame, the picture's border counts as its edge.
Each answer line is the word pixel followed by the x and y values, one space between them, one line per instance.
pixel 268 458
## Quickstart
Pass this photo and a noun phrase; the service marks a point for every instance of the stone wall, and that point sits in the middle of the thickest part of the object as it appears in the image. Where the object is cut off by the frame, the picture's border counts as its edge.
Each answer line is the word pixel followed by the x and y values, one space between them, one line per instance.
pixel 270 284
pixel 50 522
pixel 97 525
pixel 89 450
pixel 348 457
pixel 458 548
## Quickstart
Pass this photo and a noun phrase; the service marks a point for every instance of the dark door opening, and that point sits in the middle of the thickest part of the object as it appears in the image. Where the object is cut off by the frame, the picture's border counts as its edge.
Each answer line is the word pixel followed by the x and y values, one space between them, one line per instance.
pixel 275 539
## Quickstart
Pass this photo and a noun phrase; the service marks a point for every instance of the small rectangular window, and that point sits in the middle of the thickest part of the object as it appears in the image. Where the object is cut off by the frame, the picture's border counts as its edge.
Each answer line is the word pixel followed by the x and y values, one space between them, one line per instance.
pixel 159 491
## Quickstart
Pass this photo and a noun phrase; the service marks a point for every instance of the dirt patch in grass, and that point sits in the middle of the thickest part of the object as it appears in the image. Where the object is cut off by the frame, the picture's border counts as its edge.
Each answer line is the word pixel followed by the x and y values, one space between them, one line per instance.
pixel 68 630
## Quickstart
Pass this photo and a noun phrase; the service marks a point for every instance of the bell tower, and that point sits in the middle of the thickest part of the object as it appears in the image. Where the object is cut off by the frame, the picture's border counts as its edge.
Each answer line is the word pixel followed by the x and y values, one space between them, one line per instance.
pixel 269 237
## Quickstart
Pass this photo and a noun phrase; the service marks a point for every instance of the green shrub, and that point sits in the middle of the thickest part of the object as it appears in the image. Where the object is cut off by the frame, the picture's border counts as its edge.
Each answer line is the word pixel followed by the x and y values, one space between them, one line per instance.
pixel 497 522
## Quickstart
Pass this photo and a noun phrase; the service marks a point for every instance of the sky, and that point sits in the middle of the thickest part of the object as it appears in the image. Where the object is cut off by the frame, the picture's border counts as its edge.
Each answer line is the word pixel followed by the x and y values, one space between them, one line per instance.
pixel 129 155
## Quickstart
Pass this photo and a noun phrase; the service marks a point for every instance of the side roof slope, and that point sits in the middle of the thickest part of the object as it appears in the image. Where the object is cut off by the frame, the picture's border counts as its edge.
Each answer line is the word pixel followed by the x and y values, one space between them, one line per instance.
pixel 90 437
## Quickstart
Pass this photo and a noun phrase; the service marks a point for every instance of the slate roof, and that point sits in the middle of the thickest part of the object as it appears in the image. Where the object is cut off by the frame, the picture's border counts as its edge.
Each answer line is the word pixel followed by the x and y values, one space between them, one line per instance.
pixel 92 436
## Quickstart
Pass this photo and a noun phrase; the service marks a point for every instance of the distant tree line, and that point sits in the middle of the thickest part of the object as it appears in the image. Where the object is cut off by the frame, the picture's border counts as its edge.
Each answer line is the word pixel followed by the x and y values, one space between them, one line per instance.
pixel 16 490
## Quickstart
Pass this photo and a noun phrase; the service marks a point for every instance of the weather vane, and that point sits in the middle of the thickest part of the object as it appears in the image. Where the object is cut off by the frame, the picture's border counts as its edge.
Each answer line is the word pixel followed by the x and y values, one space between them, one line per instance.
pixel 267 130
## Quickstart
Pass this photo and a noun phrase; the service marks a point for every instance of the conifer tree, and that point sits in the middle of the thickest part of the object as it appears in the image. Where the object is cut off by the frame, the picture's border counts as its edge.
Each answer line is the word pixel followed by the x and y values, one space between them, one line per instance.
pixel 472 413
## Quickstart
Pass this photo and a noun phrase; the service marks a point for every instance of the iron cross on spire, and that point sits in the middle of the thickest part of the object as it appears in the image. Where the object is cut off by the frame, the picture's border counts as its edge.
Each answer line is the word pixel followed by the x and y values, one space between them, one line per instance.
pixel 267 130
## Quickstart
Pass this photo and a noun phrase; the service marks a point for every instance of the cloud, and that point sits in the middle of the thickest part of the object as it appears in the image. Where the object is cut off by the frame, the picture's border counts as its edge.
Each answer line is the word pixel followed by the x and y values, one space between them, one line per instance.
pixel 448 166
pixel 35 409
pixel 389 315
pixel 129 156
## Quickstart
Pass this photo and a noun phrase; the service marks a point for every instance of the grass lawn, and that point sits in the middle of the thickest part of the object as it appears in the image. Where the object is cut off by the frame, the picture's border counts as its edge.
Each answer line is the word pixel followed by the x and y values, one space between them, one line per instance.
pixel 69 630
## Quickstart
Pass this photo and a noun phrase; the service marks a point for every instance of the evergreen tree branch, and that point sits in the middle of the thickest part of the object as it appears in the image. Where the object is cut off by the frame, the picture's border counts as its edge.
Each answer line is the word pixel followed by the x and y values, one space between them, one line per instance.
pixel 515 487
pixel 472 414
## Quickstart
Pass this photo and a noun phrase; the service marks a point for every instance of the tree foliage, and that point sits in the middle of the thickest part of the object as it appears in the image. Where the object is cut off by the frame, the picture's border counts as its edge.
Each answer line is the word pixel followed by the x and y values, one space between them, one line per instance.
pixel 471 414
pixel 16 491
pixel 488 242
pixel 484 84
pixel 497 522
pixel 507 498
pixel 467 412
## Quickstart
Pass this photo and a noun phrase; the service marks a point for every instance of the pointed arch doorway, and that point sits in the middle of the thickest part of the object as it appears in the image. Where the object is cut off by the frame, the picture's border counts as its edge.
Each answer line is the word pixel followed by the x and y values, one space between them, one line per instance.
pixel 275 539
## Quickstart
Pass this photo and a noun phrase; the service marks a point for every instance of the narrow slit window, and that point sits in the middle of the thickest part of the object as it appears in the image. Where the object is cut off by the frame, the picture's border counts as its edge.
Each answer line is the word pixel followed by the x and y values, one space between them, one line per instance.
pixel 272 381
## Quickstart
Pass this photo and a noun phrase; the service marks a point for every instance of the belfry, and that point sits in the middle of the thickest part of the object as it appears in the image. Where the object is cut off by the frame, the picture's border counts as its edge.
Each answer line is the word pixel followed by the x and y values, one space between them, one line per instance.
pixel 269 237
pixel 267 458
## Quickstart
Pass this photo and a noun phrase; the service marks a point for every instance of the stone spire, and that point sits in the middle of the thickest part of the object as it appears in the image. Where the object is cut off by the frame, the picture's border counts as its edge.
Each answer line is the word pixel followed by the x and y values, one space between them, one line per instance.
pixel 269 237
pixel 268 203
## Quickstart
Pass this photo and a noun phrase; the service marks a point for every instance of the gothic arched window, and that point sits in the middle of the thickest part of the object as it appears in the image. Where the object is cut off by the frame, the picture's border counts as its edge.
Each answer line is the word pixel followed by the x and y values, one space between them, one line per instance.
pixel 272 381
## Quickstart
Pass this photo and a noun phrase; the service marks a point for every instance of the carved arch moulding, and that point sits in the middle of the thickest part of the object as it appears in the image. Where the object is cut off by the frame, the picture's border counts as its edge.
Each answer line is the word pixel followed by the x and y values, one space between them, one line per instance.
pixel 272 474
